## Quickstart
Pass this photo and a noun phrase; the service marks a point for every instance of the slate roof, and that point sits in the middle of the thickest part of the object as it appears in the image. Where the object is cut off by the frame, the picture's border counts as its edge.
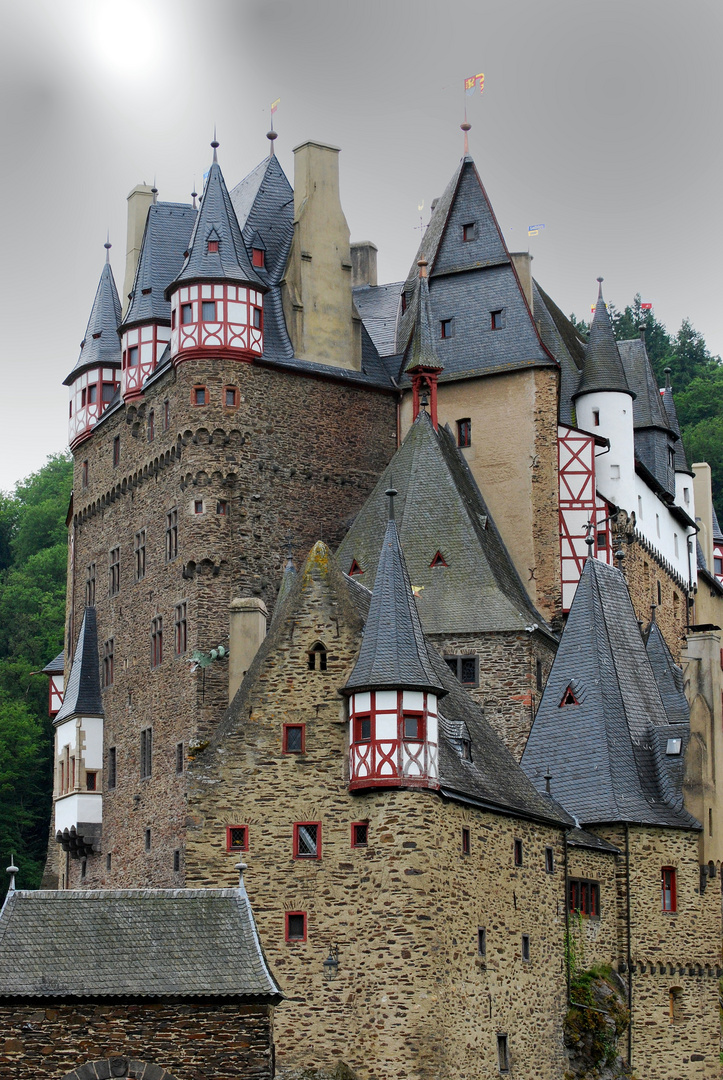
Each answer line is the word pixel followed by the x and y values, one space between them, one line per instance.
pixel 143 943
pixel 468 280
pixel 101 344
pixel 717 534
pixel 606 753
pixel 603 369
pixel 393 651
pixel 668 676
pixel 83 694
pixel 216 220
pixel 378 308
pixel 681 462
pixel 264 206
pixel 421 352
pixel 165 241
pixel 648 408
pixel 56 665
pixel 440 508
pixel 562 340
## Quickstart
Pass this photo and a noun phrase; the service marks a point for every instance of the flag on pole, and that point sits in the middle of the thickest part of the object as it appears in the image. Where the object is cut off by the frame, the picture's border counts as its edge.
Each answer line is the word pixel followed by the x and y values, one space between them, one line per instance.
pixel 534 230
pixel 646 306
pixel 275 105
pixel 471 82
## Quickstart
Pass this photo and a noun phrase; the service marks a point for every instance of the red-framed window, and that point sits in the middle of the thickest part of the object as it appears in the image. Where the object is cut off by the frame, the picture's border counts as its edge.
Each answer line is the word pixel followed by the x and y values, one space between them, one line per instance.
pixel 208 311
pixel 517 853
pixel 186 313
pixel 568 698
pixel 359 833
pixel 307 840
pixel 257 318
pixel 222 507
pixel 200 395
pixel 469 231
pixel 294 738
pixel 212 247
pixel 295 925
pixel 583 897
pixel 438 560
pixel 231 397
pixel 355 569
pixel 446 328
pixel 668 889
pixel 258 257
pixel 363 728
pixel 412 726
pixel 237 838
pixel 466 842
pixel 157 641
pixel 180 628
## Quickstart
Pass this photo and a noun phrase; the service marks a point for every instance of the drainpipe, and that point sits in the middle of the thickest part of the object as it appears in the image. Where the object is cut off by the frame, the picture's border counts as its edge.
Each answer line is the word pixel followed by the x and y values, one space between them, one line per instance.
pixel 567 917
pixel 629 951
pixel 400 397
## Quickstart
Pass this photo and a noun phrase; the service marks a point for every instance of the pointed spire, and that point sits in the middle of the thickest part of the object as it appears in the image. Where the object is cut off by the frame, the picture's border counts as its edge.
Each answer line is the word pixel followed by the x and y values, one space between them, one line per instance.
pixel 12 870
pixel 217 220
pixel 101 344
pixel 107 245
pixel 393 653
pixel 215 145
pixel 271 135
pixel 422 354
pixel 603 368
pixel 83 693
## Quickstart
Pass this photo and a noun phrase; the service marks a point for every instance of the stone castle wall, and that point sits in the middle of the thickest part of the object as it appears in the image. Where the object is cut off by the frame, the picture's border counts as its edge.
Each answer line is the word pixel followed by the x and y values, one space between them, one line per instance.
pixel 595 939
pixel 644 571
pixel 280 473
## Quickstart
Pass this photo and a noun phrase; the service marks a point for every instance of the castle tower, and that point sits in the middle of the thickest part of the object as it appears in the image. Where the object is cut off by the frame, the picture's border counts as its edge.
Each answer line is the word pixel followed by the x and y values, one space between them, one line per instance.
pixel 217 298
pixel 94 379
pixel 393 689
pixel 604 404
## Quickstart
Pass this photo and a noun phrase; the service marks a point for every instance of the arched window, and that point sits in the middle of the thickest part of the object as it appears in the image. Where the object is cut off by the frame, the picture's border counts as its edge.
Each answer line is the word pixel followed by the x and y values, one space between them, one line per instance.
pixel 317 657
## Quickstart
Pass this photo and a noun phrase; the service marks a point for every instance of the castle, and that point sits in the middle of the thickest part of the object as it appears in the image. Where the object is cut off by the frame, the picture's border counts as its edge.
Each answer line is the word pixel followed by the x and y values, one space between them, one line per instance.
pixel 406 597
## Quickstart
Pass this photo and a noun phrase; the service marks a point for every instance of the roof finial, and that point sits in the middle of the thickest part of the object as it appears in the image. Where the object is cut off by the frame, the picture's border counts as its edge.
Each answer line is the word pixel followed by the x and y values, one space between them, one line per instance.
pixel 548 778
pixel 653 606
pixel 154 192
pixel 668 373
pixel 271 135
pixel 215 145
pixel 422 264
pixel 107 245
pixel 12 870
pixel 465 128
pixel 241 866
pixel 599 287
pixel 390 493
pixel 590 536
pixel 194 193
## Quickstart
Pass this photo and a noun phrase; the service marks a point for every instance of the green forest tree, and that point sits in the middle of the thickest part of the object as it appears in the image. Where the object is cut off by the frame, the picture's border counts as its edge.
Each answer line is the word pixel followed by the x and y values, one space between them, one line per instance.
pixel 33 563
pixel 695 375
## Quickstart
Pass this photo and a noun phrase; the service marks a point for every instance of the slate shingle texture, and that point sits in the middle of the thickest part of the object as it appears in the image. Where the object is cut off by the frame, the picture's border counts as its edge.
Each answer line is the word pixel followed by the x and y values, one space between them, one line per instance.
pixel 144 943
pixel 603 368
pixel 165 241
pixel 378 308
pixel 681 462
pixel 668 676
pixel 101 344
pixel 83 694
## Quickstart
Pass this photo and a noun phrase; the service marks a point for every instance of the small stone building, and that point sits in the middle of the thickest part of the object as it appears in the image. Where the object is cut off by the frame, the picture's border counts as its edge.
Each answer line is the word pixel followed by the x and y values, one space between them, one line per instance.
pixel 154 984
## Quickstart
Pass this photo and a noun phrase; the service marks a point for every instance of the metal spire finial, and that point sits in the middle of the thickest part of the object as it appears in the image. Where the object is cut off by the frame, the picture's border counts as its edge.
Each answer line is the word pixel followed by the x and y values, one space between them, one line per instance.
pixel 590 536
pixel 548 780
pixel 271 135
pixel 241 866
pixel 668 373
pixel 599 287
pixel 465 128
pixel 12 870
pixel 194 193
pixel 390 493
pixel 653 606
pixel 154 192
pixel 215 145
pixel 107 245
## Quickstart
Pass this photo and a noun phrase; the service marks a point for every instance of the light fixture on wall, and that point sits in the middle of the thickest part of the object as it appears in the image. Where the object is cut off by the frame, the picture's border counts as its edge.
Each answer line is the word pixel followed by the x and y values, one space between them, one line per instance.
pixel 331 964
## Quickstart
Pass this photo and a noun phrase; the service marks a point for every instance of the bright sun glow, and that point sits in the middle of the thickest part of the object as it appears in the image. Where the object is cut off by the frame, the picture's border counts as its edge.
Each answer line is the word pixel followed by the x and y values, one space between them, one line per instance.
pixel 126 37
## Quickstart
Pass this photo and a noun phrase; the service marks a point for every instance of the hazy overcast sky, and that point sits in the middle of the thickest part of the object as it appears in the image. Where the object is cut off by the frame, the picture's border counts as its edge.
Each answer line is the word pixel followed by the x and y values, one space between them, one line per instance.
pixel 600 119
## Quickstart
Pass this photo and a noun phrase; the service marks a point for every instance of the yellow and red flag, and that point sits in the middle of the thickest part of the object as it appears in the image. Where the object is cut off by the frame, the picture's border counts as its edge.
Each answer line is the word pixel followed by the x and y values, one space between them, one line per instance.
pixel 471 82
pixel 275 105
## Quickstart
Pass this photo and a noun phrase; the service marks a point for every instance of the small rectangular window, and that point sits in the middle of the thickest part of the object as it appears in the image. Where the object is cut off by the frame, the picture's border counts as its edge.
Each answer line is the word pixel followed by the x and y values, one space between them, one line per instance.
pixel 295 926
pixel 362 728
pixel 669 895
pixel 549 860
pixel 525 946
pixel 583 897
pixel 198 397
pixel 208 310
pixel 91 780
pixel 116 451
pixel 111 767
pixel 596 418
pixel 83 397
pixel 481 941
pixel 114 572
pixel 146 752
pixel 237 838
pixel 718 565
pixel 230 396
pixel 108 862
pixel 518 853
pixel 157 641
pixel 465 668
pixel 294 738
pixel 83 869
pixel 464 432
pixel 469 231
pixel 673 747
pixel 166 414
pixel 222 507
pixel 198 506
pixel 148 840
pixel 186 313
pixel 307 840
pixel 466 842
pixel 359 834
pixel 213 247
pixel 139 551
pixel 84 473
pixel 176 860
pixel 180 629
pixel 497 319
pixel 90 586
pixel 446 328
pixel 257 257
pixel 108 662
pixel 108 392
pixel 413 727
pixel 171 534
pixel 92 394
pixel 602 541
pixel 179 757
pixel 503 1058
pixel 133 356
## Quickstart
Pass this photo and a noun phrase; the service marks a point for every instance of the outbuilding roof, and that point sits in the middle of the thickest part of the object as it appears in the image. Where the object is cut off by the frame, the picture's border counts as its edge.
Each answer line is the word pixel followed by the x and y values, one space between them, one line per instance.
pixel 143 943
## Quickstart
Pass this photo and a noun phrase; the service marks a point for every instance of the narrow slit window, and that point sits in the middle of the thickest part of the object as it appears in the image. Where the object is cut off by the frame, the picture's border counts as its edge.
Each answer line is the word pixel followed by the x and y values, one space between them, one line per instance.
pixel 549 860
pixel 525 946
pixel 464 432
pixel 503 1057
pixel 317 658
pixel 518 853
pixel 481 941
pixel 466 842
pixel 669 892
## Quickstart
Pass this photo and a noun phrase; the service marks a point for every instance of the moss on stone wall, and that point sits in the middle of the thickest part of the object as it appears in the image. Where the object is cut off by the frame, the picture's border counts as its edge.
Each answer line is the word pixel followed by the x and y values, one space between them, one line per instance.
pixel 596 1019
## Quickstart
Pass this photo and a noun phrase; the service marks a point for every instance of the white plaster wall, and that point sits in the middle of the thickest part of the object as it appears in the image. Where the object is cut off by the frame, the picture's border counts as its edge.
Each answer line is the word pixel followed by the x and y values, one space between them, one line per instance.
pixel 93 752
pixel 85 806
pixel 615 469
pixel 65 736
pixel 659 527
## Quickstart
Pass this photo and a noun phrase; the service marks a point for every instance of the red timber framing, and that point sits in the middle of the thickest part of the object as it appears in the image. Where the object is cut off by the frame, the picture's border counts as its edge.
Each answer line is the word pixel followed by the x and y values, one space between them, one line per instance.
pixel 56 690
pixel 393 739
pixel 576 477
pixel 142 348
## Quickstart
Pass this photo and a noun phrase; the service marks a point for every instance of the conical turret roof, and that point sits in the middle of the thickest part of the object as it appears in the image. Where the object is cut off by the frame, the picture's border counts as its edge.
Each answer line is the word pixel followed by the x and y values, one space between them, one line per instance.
pixel 83 694
pixel 217 221
pixel 393 653
pixel 603 368
pixel 421 352
pixel 101 345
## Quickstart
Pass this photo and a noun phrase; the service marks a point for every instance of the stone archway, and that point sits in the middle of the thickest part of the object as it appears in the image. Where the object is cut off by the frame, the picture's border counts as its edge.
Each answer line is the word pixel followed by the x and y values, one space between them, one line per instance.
pixel 109 1068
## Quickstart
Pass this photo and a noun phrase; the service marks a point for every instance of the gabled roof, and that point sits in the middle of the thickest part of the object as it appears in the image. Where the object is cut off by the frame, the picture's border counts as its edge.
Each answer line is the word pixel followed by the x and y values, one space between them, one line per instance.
pixel 83 694
pixel 468 280
pixel 264 206
pixel 681 463
pixel 648 408
pixel 393 652
pixel 603 369
pixel 668 676
pixel 606 753
pixel 421 352
pixel 216 220
pixel 165 242
pixel 440 508
pixel 144 943
pixel 56 665
pixel 378 307
pixel 101 345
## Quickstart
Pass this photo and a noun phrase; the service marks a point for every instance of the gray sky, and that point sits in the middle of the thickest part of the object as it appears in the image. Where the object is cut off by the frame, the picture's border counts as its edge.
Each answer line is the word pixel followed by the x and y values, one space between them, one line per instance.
pixel 601 120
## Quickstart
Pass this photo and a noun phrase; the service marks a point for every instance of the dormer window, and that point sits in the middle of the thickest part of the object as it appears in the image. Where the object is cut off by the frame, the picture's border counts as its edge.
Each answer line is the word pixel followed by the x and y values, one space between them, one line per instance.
pixel 96 336
pixel 208 310
pixel 212 247
pixel 355 568
pixel 568 698
pixel 446 328
pixel 438 560
pixel 258 257
pixel 145 292
pixel 673 747
pixel 497 319
pixel 469 231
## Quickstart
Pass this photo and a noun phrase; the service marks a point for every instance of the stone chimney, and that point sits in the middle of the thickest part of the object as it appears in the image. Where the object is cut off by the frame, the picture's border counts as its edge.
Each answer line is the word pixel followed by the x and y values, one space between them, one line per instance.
pixel 247 629
pixel 703 497
pixel 522 261
pixel 316 291
pixel 138 202
pixel 363 263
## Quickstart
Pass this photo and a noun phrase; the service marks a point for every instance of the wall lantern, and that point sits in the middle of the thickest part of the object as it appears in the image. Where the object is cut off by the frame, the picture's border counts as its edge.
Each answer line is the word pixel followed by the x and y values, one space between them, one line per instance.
pixel 331 964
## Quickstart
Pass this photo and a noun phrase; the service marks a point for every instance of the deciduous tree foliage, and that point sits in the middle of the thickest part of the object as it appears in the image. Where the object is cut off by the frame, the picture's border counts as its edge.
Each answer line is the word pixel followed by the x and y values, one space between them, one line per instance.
pixel 696 378
pixel 33 563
